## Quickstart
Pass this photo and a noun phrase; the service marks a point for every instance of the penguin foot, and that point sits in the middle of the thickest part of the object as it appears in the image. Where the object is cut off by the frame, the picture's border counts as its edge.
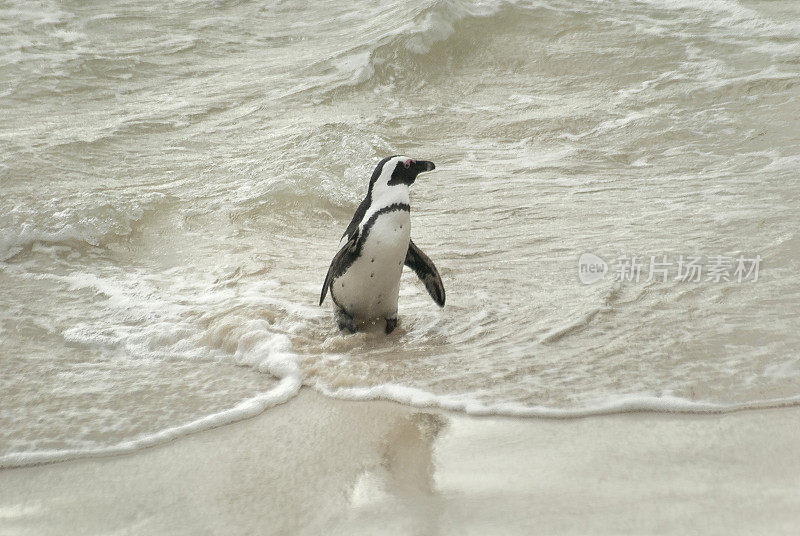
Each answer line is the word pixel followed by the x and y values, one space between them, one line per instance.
pixel 391 323
pixel 345 322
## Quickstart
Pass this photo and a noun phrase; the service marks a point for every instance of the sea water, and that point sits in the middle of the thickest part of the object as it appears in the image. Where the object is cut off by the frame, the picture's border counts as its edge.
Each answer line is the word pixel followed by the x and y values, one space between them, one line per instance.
pixel 175 177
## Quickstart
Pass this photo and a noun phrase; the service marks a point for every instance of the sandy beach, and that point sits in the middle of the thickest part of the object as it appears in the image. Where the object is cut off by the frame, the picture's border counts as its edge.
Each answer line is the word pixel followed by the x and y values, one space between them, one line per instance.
pixel 320 466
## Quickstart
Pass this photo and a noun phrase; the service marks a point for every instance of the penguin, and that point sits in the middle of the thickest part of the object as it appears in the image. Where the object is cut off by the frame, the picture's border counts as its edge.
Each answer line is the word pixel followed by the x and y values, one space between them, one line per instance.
pixel 364 276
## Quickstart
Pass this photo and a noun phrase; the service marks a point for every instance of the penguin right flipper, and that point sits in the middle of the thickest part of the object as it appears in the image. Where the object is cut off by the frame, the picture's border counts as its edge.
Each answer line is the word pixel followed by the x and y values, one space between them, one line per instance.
pixel 425 269
pixel 339 263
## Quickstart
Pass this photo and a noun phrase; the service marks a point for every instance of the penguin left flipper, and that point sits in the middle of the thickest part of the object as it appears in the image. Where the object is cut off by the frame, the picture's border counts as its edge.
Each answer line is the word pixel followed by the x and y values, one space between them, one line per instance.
pixel 340 261
pixel 425 269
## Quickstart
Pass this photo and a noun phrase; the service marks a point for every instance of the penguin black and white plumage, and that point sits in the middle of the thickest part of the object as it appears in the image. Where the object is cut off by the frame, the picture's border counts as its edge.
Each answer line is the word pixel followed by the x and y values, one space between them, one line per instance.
pixel 364 276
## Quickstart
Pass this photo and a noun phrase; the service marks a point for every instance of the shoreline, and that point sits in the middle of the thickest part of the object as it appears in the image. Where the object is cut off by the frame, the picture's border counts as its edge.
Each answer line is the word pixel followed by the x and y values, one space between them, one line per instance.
pixel 414 399
pixel 317 465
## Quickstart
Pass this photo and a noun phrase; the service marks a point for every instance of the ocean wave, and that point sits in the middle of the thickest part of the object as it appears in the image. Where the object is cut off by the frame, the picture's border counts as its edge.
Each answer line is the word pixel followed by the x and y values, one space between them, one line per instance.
pixel 13 242
pixel 730 14
pixel 71 226
pixel 148 320
pixel 286 389
pixel 247 197
pixel 340 156
pixel 407 45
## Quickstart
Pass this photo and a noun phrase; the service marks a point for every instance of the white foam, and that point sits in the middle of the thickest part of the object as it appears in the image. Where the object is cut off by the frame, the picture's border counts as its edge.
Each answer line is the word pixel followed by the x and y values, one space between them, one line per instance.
pixel 140 317
pixel 360 65
pixel 728 13
pixel 12 242
pixel 612 405
pixel 73 224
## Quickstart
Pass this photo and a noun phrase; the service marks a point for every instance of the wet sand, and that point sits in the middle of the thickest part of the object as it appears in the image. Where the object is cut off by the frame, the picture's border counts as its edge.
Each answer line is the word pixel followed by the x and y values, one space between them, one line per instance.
pixel 321 466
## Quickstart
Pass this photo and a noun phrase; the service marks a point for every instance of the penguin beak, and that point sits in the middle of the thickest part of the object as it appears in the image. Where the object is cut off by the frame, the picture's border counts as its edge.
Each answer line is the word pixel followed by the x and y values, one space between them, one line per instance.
pixel 425 165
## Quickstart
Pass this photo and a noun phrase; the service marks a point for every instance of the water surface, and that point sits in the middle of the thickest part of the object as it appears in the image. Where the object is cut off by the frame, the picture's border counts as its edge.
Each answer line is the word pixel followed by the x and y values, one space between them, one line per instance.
pixel 175 179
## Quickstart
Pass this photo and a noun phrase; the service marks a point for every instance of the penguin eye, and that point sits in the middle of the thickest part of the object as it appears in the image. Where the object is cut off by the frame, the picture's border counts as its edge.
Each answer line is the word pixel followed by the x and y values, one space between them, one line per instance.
pixel 408 163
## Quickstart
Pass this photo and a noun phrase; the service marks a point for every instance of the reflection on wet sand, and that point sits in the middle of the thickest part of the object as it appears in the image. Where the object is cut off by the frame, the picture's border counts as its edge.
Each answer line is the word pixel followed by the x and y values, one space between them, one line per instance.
pixel 403 484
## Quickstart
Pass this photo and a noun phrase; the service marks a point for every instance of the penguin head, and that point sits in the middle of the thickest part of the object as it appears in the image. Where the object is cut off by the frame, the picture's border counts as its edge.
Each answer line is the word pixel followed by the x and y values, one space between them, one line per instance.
pixel 397 170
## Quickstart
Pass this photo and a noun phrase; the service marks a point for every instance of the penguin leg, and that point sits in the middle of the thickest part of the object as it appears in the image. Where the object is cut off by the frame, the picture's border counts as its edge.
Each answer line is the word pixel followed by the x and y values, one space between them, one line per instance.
pixel 391 323
pixel 345 321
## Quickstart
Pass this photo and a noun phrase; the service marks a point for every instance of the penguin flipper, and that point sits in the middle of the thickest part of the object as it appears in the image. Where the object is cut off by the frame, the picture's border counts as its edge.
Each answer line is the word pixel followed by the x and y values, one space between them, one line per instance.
pixel 425 269
pixel 340 260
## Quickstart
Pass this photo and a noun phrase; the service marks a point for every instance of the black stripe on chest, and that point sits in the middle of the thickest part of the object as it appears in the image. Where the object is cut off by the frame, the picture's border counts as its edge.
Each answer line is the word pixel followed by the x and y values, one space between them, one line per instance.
pixel 350 259
pixel 371 221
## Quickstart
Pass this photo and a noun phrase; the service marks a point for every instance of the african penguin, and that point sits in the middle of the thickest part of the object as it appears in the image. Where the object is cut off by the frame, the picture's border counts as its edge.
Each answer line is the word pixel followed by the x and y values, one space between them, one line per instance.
pixel 364 276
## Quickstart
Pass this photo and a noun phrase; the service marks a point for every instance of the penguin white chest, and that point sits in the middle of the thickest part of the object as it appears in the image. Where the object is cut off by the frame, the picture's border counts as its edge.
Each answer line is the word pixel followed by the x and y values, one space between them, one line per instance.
pixel 369 288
